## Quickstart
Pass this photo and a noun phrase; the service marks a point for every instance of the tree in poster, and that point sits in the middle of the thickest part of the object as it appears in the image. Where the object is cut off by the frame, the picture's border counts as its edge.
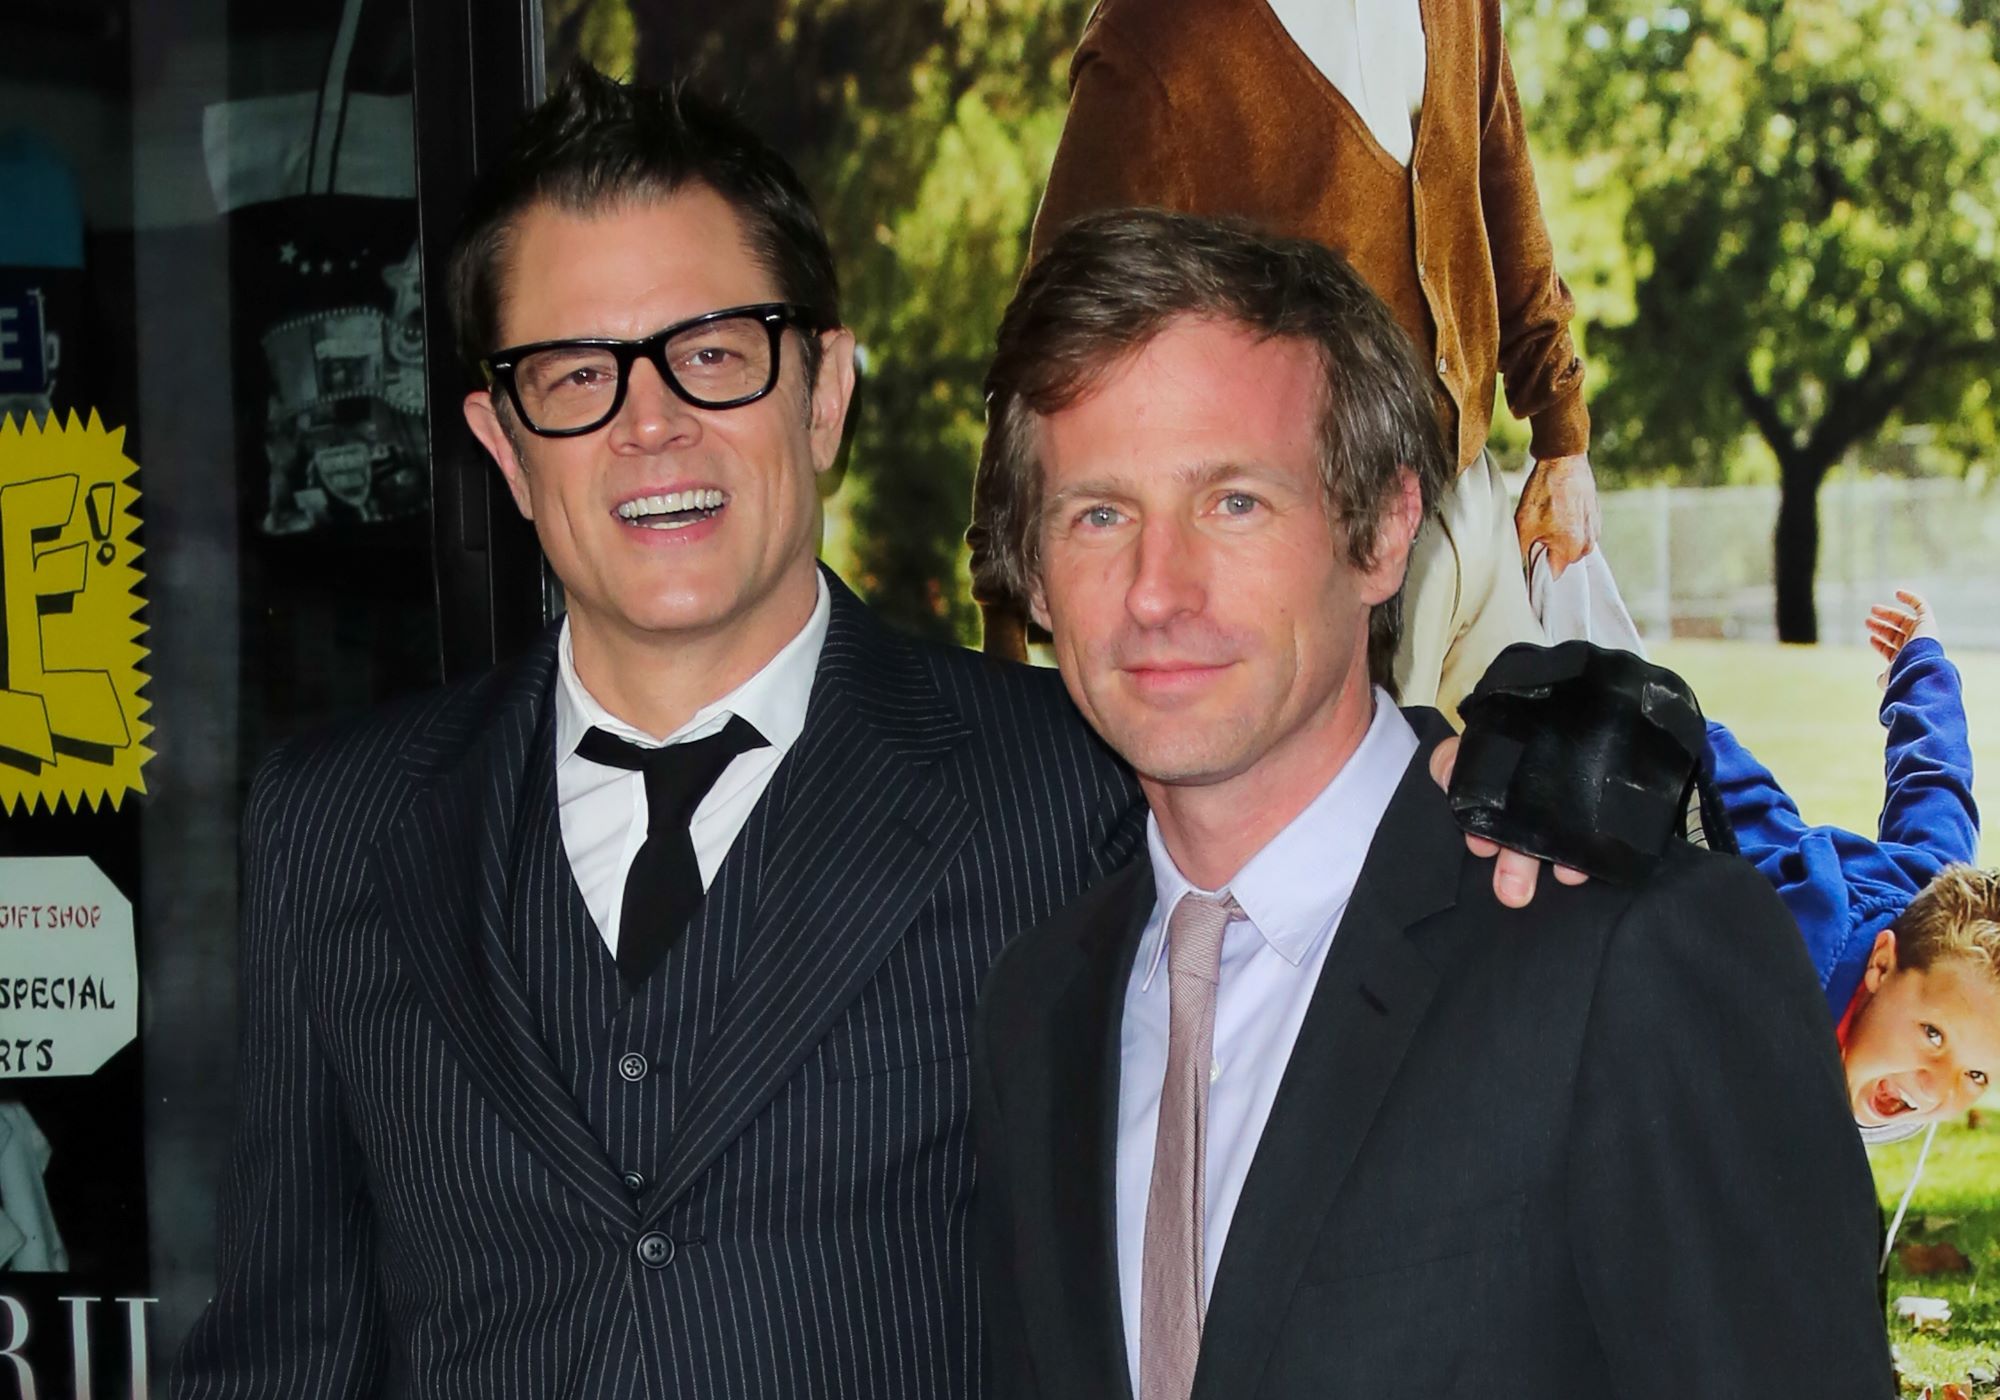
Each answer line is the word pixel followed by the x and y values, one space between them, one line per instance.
pixel 1814 228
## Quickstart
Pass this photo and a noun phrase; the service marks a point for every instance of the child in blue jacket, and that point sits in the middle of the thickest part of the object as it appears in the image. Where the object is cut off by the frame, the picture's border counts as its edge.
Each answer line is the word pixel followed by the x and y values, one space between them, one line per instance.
pixel 1904 932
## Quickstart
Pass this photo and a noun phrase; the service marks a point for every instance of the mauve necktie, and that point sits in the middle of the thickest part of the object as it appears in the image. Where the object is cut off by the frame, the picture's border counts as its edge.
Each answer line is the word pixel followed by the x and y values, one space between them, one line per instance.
pixel 1170 1301
pixel 664 888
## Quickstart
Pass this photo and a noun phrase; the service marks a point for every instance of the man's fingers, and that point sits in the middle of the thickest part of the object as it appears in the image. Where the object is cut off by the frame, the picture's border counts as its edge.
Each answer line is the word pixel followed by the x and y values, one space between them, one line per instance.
pixel 1443 757
pixel 1514 877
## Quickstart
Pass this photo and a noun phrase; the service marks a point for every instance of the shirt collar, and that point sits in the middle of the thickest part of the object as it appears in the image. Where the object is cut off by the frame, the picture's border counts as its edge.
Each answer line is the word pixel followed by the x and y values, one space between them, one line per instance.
pixel 1294 889
pixel 774 700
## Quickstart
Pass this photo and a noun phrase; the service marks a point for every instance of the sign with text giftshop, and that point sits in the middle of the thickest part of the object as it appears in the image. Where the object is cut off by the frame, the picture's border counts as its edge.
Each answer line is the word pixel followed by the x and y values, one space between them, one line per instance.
pixel 69 972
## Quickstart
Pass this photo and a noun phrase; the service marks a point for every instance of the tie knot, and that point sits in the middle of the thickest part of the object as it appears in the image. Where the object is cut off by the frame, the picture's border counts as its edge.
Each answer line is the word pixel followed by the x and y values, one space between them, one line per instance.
pixel 1194 934
pixel 677 776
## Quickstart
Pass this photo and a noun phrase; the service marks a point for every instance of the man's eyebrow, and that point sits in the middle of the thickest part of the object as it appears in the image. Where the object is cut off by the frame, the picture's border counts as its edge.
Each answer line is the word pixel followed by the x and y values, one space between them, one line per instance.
pixel 1096 490
pixel 1196 474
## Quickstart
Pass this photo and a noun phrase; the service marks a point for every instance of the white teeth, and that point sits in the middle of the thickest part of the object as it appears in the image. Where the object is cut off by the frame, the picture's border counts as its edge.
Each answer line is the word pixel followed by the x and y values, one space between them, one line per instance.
pixel 671 503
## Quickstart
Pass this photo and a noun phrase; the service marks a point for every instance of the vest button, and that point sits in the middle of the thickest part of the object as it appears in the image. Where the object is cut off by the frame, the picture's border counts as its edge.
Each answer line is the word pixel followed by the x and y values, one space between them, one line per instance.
pixel 632 1067
pixel 634 1182
pixel 655 1250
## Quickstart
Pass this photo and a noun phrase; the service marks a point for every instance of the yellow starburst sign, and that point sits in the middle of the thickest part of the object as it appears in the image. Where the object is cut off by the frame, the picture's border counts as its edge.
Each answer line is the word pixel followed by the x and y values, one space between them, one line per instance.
pixel 72 719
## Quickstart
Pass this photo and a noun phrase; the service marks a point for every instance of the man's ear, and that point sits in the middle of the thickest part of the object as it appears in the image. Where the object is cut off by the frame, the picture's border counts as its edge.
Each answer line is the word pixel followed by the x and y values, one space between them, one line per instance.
pixel 1038 606
pixel 1881 960
pixel 1394 537
pixel 832 391
pixel 483 417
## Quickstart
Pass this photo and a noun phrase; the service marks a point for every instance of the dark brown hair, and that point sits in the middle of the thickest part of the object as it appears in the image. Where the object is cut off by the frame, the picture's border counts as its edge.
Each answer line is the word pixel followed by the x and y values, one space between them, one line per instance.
pixel 594 144
pixel 1113 281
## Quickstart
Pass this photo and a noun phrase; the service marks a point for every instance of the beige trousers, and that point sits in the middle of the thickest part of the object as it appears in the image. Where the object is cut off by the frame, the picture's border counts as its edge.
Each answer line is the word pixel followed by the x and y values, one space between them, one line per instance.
pixel 1465 599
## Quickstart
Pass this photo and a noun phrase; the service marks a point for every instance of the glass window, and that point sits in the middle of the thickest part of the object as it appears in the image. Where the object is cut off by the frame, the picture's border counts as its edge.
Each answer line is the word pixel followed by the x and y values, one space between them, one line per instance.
pixel 208 244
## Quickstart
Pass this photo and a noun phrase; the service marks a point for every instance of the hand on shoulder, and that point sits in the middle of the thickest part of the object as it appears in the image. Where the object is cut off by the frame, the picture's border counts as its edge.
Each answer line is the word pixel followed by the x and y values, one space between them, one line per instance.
pixel 1515 874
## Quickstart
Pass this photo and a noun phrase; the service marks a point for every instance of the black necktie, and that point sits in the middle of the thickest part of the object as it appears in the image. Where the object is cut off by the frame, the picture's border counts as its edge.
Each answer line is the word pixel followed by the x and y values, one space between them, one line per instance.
pixel 664 887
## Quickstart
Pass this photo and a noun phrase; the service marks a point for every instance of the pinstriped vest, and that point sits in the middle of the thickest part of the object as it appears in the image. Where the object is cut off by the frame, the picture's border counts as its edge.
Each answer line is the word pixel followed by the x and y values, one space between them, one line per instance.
pixel 629 1060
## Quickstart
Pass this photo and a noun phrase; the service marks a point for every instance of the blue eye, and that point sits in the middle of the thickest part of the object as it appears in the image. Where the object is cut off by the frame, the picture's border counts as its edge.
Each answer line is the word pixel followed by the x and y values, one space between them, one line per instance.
pixel 1238 503
pixel 1100 517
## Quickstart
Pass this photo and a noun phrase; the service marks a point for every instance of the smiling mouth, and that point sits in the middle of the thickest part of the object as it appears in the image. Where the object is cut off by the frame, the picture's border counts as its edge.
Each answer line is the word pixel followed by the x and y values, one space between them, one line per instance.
pixel 675 510
pixel 1887 1101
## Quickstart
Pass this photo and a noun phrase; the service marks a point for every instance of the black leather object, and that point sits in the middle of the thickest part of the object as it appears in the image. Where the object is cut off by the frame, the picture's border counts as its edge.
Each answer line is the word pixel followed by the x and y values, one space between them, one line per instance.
pixel 1580 755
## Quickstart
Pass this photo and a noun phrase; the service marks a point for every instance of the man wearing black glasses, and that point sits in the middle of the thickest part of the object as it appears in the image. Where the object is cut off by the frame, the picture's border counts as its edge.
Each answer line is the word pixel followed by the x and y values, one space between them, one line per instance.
pixel 606 1018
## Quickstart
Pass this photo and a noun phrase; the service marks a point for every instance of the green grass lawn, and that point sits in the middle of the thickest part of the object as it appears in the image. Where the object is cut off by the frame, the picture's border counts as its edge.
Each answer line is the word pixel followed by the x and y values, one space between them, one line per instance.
pixel 1957 1202
pixel 1809 714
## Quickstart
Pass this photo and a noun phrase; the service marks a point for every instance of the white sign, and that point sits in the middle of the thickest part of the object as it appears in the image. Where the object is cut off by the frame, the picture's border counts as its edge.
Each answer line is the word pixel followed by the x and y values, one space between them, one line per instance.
pixel 69 970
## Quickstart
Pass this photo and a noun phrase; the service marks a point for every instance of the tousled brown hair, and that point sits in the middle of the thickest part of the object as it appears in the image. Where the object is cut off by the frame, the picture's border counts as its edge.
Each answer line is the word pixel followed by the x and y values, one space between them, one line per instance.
pixel 1113 281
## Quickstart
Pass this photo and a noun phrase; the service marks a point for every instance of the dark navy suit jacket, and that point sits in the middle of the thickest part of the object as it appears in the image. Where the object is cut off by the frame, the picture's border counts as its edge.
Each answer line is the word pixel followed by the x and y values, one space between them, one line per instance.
pixel 1595 1147
pixel 419 1205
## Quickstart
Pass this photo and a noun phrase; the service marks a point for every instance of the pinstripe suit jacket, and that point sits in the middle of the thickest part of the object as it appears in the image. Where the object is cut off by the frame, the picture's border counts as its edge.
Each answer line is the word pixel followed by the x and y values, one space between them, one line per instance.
pixel 417 1206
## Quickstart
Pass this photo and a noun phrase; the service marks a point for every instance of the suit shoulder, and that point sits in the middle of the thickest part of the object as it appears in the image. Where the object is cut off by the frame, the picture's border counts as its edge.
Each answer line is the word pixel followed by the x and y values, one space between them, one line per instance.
pixel 381 752
pixel 1006 702
pixel 1694 944
pixel 382 734
pixel 1699 901
pixel 1697 907
pixel 1020 976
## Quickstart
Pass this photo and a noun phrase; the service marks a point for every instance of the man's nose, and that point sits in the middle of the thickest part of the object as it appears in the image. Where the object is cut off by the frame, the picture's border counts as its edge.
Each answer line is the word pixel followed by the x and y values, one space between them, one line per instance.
pixel 1169 574
pixel 653 416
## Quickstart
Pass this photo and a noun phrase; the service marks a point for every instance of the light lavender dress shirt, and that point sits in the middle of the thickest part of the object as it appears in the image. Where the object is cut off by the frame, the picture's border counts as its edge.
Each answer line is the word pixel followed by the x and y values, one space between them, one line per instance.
pixel 1294 891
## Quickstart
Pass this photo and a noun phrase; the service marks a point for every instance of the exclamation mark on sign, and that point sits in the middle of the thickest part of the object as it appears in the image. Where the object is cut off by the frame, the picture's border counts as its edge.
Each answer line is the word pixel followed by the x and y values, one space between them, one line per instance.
pixel 98 503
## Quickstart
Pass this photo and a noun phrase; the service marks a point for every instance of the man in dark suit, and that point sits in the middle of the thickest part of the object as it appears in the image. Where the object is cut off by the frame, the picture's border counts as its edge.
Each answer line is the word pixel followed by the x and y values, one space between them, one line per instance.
pixel 524 1114
pixel 1291 1106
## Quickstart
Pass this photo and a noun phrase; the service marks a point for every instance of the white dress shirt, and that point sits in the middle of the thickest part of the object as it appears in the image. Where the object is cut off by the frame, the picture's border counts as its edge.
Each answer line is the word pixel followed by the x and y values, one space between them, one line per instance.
pixel 603 810
pixel 1373 52
pixel 1294 892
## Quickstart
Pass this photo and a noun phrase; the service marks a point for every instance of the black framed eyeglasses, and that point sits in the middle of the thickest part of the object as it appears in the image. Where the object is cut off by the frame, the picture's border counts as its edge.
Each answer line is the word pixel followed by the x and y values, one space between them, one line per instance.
pixel 724 359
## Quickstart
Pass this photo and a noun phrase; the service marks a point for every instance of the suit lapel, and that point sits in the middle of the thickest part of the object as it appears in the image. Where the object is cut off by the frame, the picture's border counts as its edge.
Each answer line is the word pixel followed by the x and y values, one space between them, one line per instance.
pixel 442 881
pixel 1373 992
pixel 867 829
pixel 1084 1034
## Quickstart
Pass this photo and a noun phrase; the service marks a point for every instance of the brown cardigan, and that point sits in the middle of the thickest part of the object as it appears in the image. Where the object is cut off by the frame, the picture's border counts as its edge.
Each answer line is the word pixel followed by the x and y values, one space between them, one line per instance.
pixel 1209 107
